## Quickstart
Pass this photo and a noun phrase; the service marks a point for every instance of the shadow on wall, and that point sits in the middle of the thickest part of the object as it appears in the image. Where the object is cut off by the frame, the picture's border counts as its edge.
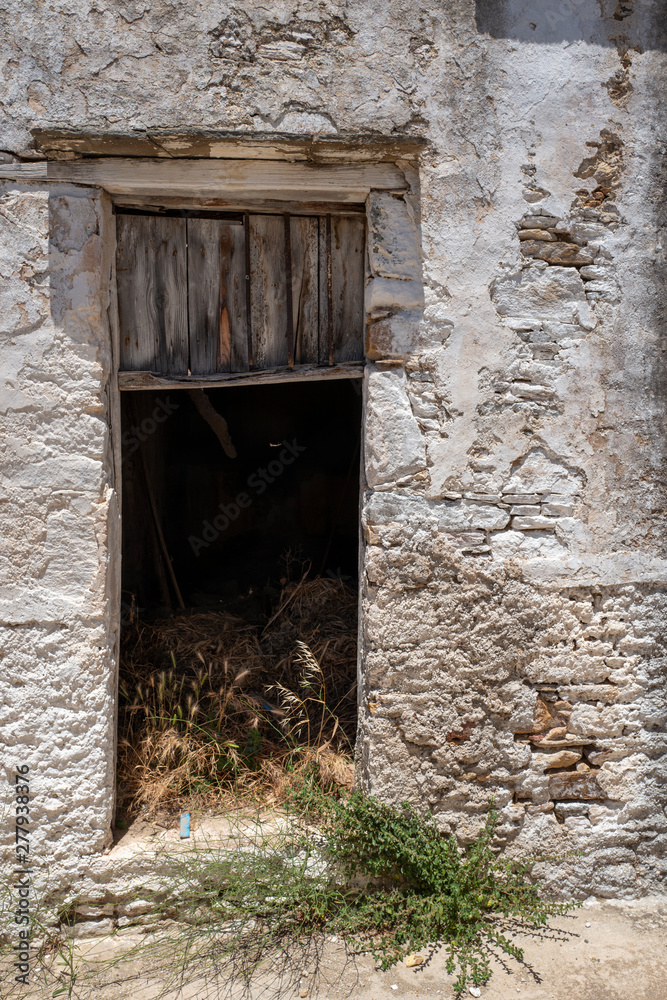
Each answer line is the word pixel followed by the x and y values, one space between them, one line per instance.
pixel 643 23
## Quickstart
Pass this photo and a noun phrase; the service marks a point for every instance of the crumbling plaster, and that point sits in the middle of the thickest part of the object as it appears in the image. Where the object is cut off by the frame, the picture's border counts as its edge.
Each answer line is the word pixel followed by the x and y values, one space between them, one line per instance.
pixel 514 516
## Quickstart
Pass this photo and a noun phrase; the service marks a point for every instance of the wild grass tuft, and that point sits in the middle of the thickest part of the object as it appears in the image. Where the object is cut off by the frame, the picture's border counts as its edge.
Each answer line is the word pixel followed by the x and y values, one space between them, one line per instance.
pixel 213 707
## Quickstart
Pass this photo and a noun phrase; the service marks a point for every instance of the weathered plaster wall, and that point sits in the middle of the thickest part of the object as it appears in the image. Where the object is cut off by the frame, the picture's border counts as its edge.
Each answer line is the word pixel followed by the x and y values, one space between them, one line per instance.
pixel 59 516
pixel 515 567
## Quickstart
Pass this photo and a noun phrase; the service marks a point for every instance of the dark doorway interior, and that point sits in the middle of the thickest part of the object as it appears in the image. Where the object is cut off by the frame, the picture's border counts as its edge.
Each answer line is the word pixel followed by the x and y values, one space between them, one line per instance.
pixel 235 528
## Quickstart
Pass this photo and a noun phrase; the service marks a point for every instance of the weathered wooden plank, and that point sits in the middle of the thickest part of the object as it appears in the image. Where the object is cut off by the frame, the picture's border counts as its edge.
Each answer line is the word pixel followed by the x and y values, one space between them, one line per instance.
pixel 155 308
pixel 324 249
pixel 344 289
pixel 216 297
pixel 268 291
pixel 134 380
pixel 348 280
pixel 152 293
pixel 305 292
pixel 217 178
pixel 212 143
pixel 270 206
pixel 137 349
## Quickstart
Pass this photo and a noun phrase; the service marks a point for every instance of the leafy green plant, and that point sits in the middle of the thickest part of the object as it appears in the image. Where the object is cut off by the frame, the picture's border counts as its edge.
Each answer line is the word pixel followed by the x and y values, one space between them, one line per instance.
pixel 421 889
pixel 251 912
pixel 383 878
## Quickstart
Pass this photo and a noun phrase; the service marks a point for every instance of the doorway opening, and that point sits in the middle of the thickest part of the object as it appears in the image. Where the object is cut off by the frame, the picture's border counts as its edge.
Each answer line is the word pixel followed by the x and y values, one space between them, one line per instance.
pixel 239 579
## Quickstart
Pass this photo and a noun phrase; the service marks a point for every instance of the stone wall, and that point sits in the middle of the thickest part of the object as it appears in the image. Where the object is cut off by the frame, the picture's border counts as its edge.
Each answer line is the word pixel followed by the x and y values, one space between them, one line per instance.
pixel 515 573
pixel 59 510
pixel 514 510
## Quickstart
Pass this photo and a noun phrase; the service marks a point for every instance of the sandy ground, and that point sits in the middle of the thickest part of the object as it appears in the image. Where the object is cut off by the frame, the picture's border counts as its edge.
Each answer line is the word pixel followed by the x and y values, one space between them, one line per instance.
pixel 605 951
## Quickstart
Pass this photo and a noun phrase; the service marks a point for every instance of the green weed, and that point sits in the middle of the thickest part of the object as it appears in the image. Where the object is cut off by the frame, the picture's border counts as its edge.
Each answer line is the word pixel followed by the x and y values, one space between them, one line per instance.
pixel 255 908
pixel 384 879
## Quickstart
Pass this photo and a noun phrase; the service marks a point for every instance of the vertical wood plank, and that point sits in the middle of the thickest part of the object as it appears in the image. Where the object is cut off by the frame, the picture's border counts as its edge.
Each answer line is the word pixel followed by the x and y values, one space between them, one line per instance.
pixel 305 292
pixel 268 290
pixel 248 305
pixel 152 294
pixel 289 325
pixel 347 267
pixel 323 338
pixel 236 297
pixel 216 297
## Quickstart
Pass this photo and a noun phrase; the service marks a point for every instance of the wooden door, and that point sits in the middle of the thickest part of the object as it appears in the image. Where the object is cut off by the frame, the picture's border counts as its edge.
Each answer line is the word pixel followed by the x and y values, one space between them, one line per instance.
pixel 203 295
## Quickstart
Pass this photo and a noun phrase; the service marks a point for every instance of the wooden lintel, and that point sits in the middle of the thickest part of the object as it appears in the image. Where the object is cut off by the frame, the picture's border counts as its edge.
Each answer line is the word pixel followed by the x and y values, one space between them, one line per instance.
pixel 238 179
pixel 179 205
pixel 189 143
pixel 133 381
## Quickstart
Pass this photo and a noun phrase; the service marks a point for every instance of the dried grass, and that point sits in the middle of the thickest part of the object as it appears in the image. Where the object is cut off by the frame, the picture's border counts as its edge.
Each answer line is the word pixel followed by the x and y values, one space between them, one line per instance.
pixel 212 706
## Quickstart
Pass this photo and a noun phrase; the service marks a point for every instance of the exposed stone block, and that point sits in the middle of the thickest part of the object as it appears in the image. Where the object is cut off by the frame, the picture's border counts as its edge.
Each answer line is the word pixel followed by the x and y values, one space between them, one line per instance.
pixel 483 497
pixel 533 524
pixel 596 721
pixel 563 809
pixel 606 693
pixel 559 758
pixel 394 443
pixel 94 910
pixel 539 222
pixel 393 294
pixel 595 272
pixel 539 472
pixel 515 544
pixel 536 234
pixel 547 293
pixel 557 509
pixel 521 498
pixel 393 250
pixel 93 928
pixel 394 335
pixel 562 254
pixel 573 785
pixel 136 908
pixel 445 515
pixel 467 539
pixel 621 780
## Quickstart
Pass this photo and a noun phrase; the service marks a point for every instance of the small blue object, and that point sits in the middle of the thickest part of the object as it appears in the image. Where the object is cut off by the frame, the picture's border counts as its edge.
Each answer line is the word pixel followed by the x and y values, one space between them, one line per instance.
pixel 185 825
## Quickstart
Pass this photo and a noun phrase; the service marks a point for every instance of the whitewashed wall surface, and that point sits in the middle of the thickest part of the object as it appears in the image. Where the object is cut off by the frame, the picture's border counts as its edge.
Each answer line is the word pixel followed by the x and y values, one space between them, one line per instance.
pixel 514 511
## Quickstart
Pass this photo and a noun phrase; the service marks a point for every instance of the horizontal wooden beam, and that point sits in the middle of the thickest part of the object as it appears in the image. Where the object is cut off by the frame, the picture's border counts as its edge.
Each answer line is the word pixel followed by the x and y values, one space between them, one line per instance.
pixel 228 144
pixel 165 204
pixel 133 381
pixel 234 179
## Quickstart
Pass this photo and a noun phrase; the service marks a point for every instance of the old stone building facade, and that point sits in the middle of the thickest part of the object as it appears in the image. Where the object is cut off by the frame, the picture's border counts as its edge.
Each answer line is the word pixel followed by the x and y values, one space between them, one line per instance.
pixel 511 160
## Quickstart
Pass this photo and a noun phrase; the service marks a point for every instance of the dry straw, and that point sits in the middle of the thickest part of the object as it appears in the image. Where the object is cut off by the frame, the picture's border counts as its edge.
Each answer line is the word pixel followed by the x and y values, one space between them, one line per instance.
pixel 212 706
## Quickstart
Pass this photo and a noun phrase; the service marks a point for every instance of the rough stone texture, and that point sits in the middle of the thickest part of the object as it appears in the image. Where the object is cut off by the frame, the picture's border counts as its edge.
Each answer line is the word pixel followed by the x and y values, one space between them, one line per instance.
pixel 394 443
pixel 526 375
pixel 59 515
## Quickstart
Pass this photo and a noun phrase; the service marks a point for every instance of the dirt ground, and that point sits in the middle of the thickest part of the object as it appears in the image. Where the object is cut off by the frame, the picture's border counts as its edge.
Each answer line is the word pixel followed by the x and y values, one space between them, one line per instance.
pixel 606 951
